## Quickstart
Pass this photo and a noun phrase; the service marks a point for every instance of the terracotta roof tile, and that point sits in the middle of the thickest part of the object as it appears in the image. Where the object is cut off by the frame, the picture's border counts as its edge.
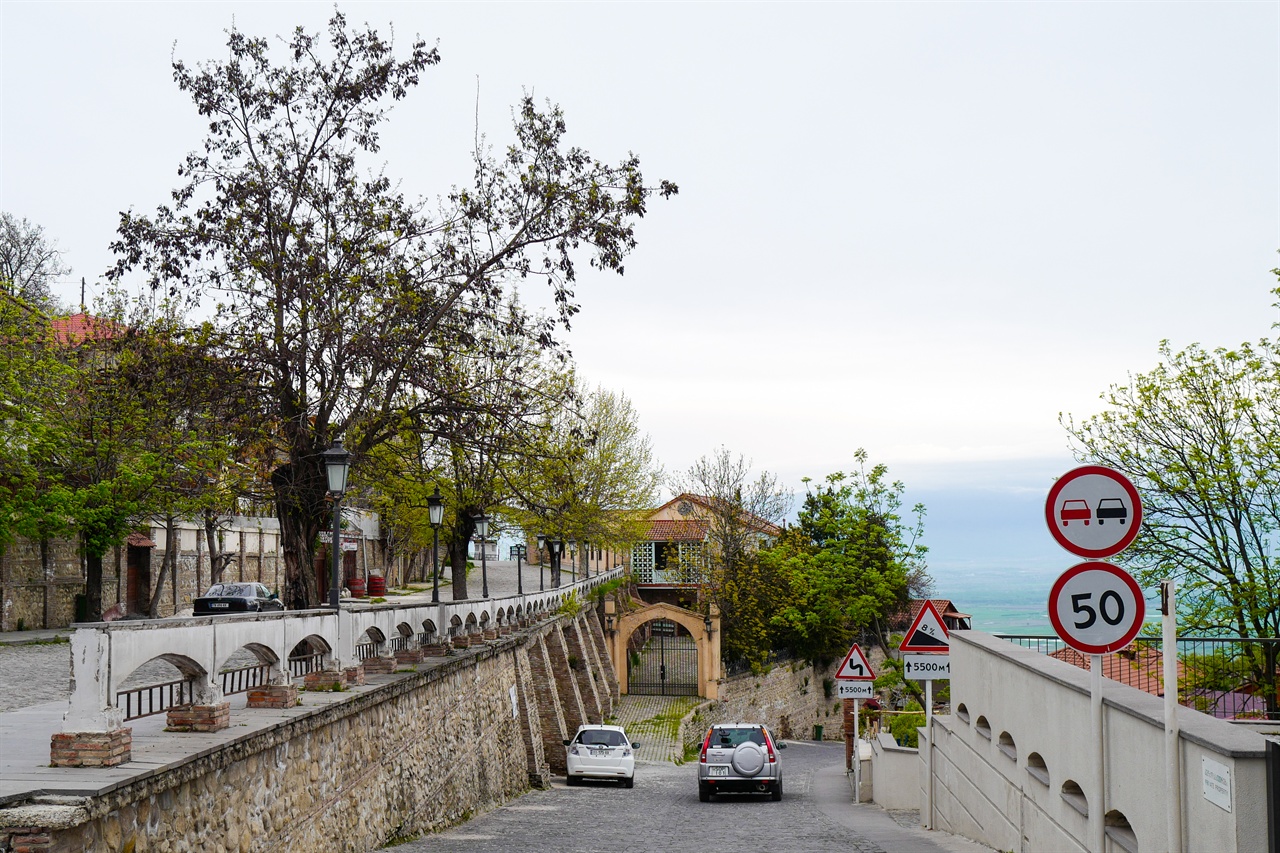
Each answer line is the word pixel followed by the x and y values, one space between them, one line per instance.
pixel 677 531
pixel 82 327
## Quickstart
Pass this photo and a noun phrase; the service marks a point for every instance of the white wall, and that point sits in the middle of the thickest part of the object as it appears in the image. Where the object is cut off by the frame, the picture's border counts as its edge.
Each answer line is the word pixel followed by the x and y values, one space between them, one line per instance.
pixel 1042 704
pixel 895 774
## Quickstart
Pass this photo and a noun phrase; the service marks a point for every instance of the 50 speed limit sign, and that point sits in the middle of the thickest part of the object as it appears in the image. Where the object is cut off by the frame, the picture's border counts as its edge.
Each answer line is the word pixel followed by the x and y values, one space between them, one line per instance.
pixel 1096 608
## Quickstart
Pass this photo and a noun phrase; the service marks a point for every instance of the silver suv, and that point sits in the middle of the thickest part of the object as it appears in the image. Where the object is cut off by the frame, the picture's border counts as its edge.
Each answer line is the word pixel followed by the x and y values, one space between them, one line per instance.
pixel 741 757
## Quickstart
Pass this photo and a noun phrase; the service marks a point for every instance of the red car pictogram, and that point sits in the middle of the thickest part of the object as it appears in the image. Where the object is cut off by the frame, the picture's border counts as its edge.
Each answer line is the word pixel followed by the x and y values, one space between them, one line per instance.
pixel 1075 511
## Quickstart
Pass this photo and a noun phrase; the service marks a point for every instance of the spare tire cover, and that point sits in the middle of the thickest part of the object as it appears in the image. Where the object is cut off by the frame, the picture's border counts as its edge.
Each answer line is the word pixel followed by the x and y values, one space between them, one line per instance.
pixel 748 759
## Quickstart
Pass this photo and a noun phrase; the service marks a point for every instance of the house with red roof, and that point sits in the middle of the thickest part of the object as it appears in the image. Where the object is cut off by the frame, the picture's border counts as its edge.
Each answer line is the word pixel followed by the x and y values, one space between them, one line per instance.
pixel 673 556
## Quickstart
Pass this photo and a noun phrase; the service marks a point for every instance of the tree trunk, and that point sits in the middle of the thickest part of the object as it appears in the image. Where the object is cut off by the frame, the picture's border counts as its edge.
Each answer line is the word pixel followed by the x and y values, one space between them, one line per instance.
pixel 301 509
pixel 167 567
pixel 93 587
pixel 458 567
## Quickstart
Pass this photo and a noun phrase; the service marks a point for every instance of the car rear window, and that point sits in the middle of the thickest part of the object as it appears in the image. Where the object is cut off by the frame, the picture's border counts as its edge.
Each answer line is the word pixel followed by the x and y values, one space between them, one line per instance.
pixel 601 737
pixel 733 737
pixel 236 590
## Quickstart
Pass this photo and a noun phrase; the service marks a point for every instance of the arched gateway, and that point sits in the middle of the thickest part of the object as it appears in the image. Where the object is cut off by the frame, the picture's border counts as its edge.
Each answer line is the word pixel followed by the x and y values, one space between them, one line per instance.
pixel 702 631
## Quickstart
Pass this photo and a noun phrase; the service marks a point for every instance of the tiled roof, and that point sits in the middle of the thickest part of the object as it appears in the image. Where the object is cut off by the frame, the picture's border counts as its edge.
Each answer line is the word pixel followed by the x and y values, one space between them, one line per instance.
pixel 943 605
pixel 1140 666
pixel 82 327
pixel 752 520
pixel 677 531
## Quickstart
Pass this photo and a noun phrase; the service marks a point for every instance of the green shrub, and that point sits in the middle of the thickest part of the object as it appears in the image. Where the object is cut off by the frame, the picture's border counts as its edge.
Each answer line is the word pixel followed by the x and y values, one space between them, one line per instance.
pixel 904 726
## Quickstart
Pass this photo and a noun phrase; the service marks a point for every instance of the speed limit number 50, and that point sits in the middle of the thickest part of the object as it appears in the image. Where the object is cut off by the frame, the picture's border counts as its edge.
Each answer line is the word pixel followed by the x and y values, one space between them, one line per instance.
pixel 1096 608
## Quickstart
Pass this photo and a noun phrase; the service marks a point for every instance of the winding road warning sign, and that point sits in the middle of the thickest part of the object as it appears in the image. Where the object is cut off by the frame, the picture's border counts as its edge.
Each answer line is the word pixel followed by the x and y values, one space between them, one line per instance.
pixel 856 667
pixel 927 633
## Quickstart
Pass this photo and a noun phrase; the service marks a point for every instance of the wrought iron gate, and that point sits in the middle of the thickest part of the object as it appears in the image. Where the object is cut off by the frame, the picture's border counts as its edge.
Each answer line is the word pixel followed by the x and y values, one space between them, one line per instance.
pixel 668 665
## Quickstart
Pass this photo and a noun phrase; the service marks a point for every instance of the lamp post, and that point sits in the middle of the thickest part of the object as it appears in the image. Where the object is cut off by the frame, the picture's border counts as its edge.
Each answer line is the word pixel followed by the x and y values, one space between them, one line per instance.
pixel 337 463
pixel 571 547
pixel 542 543
pixel 555 545
pixel 435 510
pixel 519 574
pixel 482 527
pixel 586 565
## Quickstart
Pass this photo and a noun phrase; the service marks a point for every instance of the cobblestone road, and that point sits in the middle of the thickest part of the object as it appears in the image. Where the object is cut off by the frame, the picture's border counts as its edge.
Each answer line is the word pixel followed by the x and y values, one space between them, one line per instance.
pixel 662 813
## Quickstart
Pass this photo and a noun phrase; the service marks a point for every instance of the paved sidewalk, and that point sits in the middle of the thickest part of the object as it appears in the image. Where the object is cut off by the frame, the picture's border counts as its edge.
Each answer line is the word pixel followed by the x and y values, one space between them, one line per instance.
pixel 654 721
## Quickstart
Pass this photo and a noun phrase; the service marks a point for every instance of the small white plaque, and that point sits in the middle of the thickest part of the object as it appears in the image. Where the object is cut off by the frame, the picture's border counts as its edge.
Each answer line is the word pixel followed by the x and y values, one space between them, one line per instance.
pixel 515 707
pixel 926 667
pixel 1217 783
pixel 855 689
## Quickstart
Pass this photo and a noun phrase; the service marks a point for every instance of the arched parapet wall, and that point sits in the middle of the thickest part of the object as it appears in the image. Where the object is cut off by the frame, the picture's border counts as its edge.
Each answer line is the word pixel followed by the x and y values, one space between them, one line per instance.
pixel 707 643
pixel 104 654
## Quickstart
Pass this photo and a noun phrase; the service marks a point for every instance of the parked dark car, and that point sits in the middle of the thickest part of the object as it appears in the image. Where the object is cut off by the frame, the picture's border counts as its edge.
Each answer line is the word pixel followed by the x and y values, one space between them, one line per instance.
pixel 237 598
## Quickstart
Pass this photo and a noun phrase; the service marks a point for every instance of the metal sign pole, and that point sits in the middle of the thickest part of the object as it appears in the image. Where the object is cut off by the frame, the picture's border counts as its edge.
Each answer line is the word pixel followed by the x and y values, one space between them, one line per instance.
pixel 857 755
pixel 928 730
pixel 1097 825
pixel 1172 757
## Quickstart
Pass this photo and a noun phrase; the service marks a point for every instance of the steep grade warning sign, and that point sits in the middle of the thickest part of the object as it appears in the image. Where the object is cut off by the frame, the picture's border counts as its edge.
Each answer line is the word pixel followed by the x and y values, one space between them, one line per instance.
pixel 927 633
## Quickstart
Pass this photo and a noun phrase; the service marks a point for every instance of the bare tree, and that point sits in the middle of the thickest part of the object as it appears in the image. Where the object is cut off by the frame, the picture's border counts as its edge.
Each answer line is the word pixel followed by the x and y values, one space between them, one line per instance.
pixel 29 262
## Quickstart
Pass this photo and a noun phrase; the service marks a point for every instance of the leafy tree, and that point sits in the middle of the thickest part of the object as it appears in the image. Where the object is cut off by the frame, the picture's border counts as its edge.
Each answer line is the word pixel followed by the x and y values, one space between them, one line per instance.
pixel 339 293
pixel 29 262
pixel 855 562
pixel 741 512
pixel 595 471
pixel 1199 437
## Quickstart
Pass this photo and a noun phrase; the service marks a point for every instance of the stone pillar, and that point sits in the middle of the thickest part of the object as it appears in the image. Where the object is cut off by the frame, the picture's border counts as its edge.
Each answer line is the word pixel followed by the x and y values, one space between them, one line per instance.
pixel 379 665
pixel 551 716
pixel 584 670
pixel 409 657
pixel 566 684
pixel 94 734
pixel 199 718
pixel 91 749
pixel 274 696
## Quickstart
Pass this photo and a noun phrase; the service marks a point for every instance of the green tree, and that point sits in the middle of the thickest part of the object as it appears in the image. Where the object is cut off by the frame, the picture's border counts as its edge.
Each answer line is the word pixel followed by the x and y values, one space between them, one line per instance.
pixel 343 296
pixel 1199 437
pixel 594 474
pixel 855 562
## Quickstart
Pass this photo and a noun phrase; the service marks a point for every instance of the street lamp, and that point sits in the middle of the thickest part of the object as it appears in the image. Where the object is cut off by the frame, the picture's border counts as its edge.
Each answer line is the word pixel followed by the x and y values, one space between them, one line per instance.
pixel 542 543
pixel 520 549
pixel 435 510
pixel 554 545
pixel 482 527
pixel 337 463
pixel 571 547
pixel 586 550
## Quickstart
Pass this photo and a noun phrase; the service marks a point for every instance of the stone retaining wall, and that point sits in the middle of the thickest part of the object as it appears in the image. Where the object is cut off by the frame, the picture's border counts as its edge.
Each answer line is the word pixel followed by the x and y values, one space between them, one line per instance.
pixel 408 757
pixel 790 699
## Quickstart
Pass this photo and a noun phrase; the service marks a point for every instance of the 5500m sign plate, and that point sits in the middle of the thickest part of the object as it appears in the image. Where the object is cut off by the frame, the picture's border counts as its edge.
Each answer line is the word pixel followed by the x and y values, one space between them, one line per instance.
pixel 926 667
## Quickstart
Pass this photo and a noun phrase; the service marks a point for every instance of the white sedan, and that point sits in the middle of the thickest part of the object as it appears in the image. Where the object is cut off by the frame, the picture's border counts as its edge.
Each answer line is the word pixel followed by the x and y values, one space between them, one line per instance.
pixel 601 752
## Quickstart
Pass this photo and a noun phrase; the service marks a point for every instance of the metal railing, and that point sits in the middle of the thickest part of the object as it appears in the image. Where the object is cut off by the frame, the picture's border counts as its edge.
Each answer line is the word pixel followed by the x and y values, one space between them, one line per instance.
pixel 364 651
pixel 245 678
pixel 301 665
pixel 1233 678
pixel 155 698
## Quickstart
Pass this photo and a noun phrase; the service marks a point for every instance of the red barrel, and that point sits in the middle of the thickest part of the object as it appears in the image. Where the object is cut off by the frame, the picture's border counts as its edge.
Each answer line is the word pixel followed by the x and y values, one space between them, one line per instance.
pixel 377 586
pixel 356 585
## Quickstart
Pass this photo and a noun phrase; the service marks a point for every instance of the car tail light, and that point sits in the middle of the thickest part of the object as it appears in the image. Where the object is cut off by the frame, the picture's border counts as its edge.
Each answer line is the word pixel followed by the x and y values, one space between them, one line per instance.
pixel 706 743
pixel 768 741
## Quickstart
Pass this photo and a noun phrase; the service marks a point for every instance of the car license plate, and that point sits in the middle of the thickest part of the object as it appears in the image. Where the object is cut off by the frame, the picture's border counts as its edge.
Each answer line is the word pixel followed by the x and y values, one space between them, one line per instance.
pixel 219 604
pixel 599 753
pixel 714 770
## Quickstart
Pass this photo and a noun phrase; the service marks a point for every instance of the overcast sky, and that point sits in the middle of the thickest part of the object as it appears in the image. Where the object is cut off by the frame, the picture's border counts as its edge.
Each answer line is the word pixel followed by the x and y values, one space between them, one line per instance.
pixel 920 228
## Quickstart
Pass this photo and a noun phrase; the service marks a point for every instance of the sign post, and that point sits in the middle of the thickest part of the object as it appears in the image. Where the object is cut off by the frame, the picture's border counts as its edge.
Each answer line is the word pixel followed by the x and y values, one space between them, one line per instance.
pixel 929 638
pixel 1095 607
pixel 854 678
